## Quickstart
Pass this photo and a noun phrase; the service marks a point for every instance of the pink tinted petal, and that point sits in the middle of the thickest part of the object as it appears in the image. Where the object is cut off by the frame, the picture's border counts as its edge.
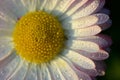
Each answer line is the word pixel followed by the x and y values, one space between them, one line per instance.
pixel 100 67
pixel 93 30
pixel 106 25
pixel 86 21
pixel 105 11
pixel 100 55
pixel 102 40
pixel 91 72
pixel 80 74
pixel 101 5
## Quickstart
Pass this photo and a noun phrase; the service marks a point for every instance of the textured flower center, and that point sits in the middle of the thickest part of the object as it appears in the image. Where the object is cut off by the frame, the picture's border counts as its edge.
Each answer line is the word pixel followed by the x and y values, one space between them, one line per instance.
pixel 38 37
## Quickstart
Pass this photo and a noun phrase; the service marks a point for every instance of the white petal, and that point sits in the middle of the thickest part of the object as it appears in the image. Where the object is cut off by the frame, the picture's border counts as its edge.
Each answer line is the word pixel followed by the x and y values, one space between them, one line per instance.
pixel 6 59
pixel 93 30
pixel 44 73
pixel 5 33
pixel 17 9
pixel 5 25
pixel 87 9
pixel 30 5
pixel 55 72
pixel 86 21
pixel 41 4
pixel 5 46
pixel 19 72
pixel 62 6
pixel 65 69
pixel 74 7
pixel 9 67
pixel 9 11
pixel 100 55
pixel 5 16
pixel 101 40
pixel 31 73
pixel 82 45
pixel 78 59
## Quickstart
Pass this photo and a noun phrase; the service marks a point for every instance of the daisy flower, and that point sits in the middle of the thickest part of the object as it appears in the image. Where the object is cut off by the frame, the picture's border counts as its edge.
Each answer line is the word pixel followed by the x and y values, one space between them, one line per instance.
pixel 53 39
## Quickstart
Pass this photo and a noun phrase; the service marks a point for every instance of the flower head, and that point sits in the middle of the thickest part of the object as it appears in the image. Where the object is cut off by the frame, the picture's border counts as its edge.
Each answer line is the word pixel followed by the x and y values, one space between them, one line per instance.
pixel 53 39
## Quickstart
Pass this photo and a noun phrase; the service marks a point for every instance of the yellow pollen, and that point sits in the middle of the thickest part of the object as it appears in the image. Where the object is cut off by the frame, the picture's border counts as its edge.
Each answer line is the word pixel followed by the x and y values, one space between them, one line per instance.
pixel 38 37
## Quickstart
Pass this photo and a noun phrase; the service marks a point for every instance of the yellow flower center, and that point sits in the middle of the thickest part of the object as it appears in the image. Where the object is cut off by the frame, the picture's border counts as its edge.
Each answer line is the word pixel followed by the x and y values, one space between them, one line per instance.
pixel 38 37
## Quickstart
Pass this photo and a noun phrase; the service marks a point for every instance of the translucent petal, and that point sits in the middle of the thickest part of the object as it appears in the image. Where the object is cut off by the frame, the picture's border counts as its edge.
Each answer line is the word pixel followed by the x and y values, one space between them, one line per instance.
pixel 31 73
pixel 19 72
pixel 82 45
pixel 78 59
pixel 43 72
pixel 8 64
pixel 66 70
pixel 5 46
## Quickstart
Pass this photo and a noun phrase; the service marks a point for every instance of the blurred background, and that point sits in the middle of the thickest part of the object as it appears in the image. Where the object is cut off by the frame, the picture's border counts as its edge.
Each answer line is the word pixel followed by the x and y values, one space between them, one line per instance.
pixel 113 62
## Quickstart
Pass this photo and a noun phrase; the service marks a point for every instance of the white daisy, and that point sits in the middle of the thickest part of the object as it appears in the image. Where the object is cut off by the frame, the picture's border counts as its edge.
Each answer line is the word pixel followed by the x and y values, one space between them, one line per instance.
pixel 52 39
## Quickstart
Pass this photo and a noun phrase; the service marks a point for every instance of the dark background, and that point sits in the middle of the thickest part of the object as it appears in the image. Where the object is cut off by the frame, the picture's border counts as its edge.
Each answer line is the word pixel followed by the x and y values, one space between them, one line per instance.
pixel 113 62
